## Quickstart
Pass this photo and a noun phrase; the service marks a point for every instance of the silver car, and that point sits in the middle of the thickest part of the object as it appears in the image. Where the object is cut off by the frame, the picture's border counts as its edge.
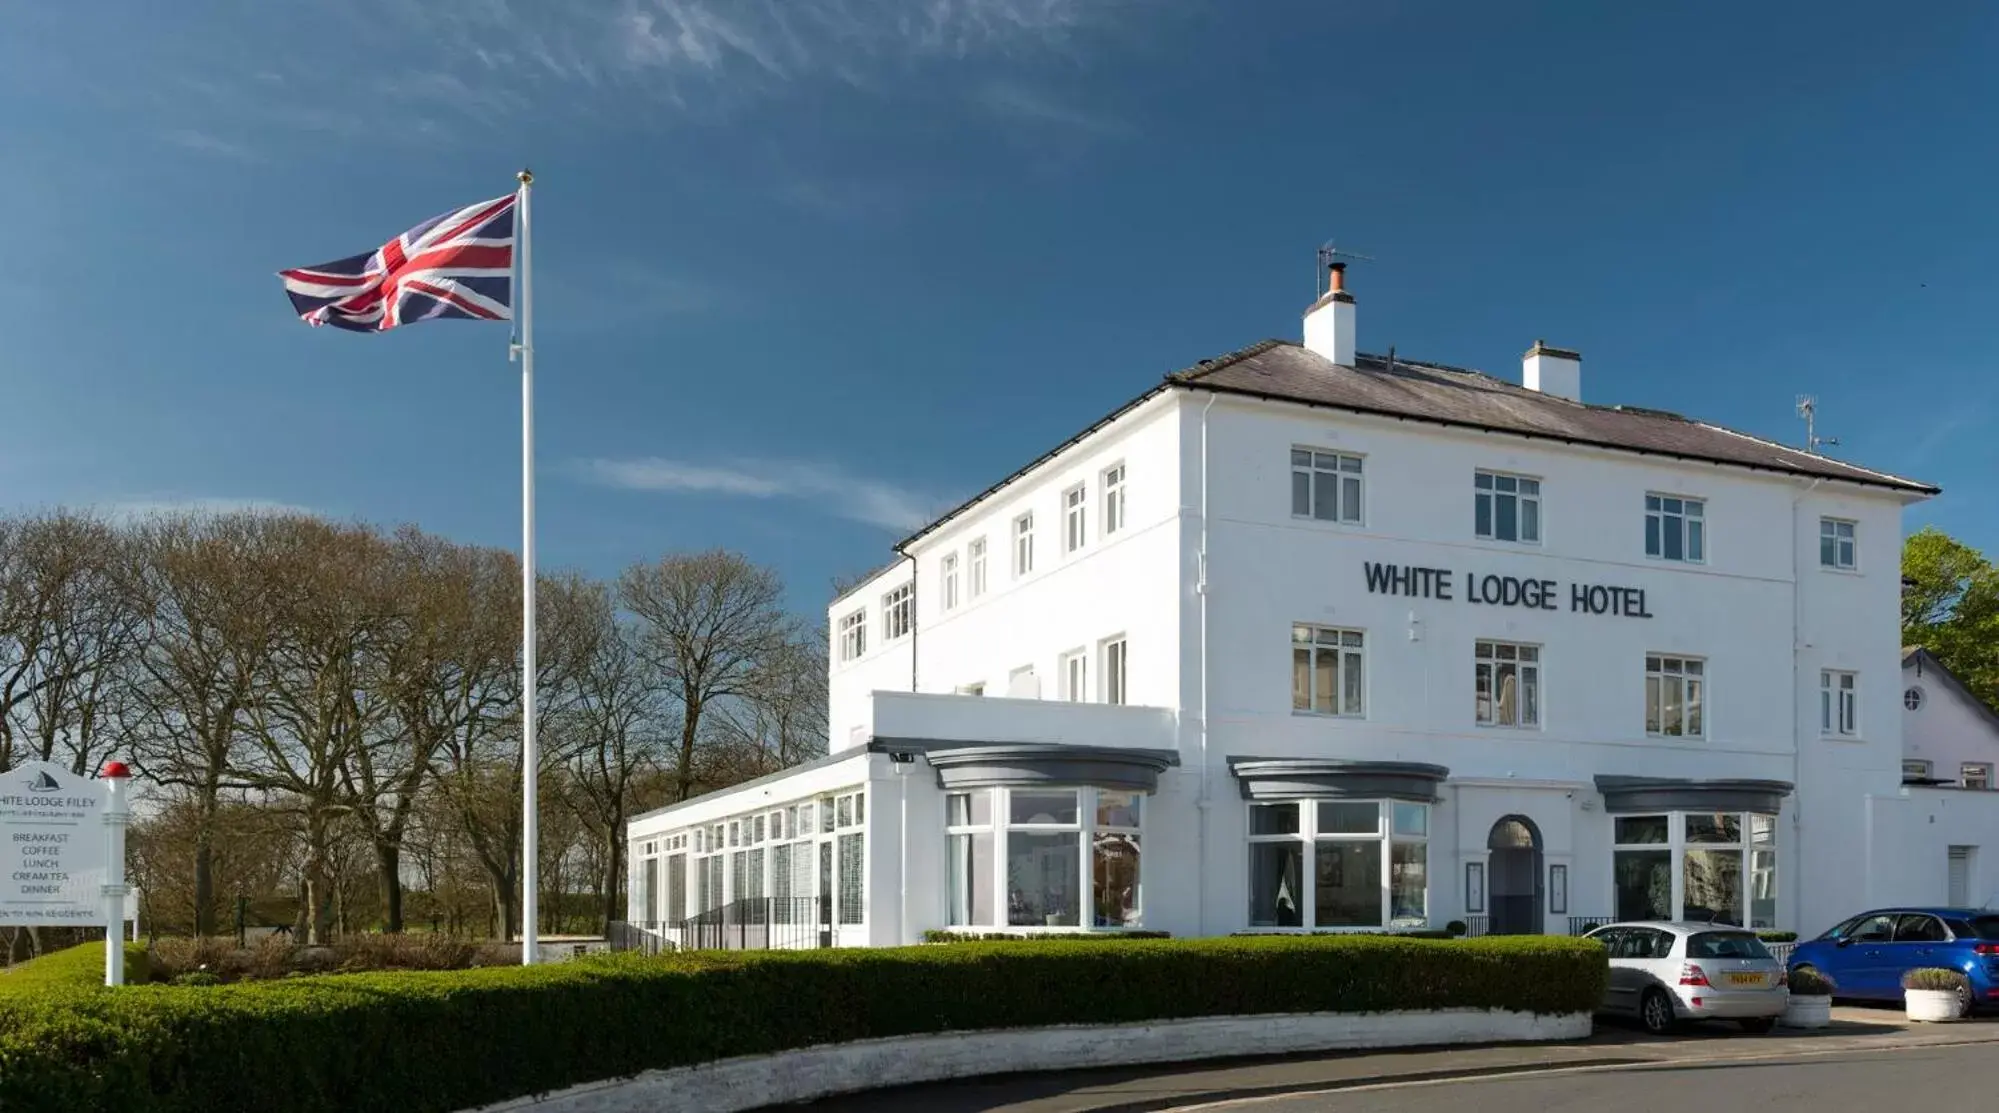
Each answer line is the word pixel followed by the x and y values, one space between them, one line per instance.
pixel 1663 973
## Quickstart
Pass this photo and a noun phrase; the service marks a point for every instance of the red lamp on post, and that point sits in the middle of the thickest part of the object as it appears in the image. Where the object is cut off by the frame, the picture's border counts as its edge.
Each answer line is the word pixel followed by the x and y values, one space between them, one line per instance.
pixel 114 774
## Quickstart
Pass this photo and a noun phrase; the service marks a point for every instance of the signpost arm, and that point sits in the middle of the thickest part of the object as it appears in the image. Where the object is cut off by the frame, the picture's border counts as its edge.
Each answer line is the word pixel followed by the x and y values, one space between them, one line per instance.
pixel 116 813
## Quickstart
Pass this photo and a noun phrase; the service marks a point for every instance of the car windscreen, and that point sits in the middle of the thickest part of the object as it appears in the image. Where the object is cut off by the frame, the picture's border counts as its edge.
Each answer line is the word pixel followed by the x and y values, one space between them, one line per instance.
pixel 1983 927
pixel 1726 944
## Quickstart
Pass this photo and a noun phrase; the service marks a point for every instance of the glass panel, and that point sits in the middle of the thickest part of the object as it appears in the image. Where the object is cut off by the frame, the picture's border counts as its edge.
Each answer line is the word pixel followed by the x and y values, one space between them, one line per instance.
pixel 1695 728
pixel 1644 884
pixel 1725 828
pixel 1727 944
pixel 1325 498
pixel 1828 551
pixel 1482 481
pixel 1651 502
pixel 1763 888
pixel 1350 463
pixel 1695 532
pixel 860 807
pixel 853 853
pixel 1301 493
pixel 1350 674
pixel 1409 884
pixel 1713 880
pixel 1043 878
pixel 1276 884
pixel 1340 817
pixel 1117 809
pixel 970 862
pixel 1301 678
pixel 1349 499
pixel 1505 483
pixel 1347 876
pixel 1671 549
pixel 1651 533
pixel 1642 830
pixel 970 809
pixel 1482 514
pixel 1530 486
pixel 1300 458
pixel 1114 879
pixel 1506 524
pixel 1325 682
pixel 1651 705
pixel 1412 819
pixel 1273 819
pixel 1530 520
pixel 1669 707
pixel 1042 806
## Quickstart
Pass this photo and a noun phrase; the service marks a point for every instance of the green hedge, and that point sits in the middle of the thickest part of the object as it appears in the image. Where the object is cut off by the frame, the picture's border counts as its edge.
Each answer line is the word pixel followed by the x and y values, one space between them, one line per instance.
pixel 72 968
pixel 936 936
pixel 415 1042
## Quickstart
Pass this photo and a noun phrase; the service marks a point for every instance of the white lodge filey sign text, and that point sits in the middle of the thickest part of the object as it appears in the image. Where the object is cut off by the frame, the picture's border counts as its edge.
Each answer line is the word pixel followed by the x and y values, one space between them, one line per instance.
pixel 1505 591
pixel 52 847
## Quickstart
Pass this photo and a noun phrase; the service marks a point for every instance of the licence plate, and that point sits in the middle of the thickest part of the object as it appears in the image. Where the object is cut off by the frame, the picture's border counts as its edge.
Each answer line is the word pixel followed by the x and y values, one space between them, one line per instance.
pixel 1745 979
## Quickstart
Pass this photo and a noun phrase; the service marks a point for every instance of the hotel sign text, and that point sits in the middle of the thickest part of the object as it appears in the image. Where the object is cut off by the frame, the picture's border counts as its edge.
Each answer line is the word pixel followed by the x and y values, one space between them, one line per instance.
pixel 1505 591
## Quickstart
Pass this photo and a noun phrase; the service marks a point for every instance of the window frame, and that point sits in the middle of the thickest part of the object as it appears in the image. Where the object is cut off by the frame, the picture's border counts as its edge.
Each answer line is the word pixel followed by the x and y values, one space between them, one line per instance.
pixel 1918 769
pixel 1307 638
pixel 1847 546
pixel 1487 497
pixel 975 568
pixel 1023 545
pixel 853 628
pixel 1311 471
pixel 947 575
pixel 1308 835
pixel 1075 518
pixel 1488 659
pixel 1839 703
pixel 1756 846
pixel 1687 673
pixel 1692 510
pixel 898 612
pixel 1072 675
pixel 1114 670
pixel 1110 485
pixel 1091 832
pixel 1983 774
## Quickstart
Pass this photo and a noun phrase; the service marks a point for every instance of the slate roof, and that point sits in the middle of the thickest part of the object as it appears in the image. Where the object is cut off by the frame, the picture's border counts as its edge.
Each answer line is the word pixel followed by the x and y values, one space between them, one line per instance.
pixel 1285 371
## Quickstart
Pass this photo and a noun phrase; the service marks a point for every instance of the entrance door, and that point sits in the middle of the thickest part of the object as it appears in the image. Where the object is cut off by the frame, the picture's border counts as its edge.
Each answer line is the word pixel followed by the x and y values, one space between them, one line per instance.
pixel 1960 877
pixel 1514 884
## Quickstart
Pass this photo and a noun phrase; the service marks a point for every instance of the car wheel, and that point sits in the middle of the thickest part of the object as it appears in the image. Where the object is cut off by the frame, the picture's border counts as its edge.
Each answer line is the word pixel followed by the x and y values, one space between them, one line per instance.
pixel 1655 1012
pixel 1759 1025
pixel 1964 1003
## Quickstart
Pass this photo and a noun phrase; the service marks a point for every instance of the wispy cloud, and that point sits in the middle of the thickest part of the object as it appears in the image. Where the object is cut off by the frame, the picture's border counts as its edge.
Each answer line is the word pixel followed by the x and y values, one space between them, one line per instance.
pixel 1023 104
pixel 872 501
pixel 202 142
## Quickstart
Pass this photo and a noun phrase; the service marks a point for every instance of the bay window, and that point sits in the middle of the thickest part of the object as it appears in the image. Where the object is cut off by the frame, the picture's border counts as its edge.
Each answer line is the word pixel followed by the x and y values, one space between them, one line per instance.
pixel 1719 867
pixel 1042 858
pixel 1369 864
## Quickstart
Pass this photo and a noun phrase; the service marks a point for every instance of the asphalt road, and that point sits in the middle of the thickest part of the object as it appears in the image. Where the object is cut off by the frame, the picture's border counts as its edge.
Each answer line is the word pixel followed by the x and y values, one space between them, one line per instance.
pixel 1948 1077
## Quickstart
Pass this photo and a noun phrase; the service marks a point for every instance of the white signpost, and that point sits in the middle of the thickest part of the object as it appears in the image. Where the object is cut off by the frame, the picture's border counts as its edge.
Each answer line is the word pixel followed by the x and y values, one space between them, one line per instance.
pixel 62 852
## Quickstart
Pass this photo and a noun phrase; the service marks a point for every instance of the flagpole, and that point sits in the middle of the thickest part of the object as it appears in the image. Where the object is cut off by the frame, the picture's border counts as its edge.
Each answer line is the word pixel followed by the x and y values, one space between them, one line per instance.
pixel 530 758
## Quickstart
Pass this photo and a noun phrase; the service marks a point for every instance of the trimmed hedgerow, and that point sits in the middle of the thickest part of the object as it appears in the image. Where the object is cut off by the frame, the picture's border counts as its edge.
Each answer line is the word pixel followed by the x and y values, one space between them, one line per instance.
pixel 416 1042
pixel 942 936
pixel 71 968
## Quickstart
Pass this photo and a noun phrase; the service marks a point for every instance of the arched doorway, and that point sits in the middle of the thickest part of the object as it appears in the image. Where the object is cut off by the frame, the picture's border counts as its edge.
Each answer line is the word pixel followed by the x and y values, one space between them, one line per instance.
pixel 1514 889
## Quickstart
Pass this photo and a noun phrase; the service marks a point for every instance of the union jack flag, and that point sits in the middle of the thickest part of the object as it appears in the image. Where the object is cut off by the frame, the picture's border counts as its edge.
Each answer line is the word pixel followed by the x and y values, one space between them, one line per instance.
pixel 456 265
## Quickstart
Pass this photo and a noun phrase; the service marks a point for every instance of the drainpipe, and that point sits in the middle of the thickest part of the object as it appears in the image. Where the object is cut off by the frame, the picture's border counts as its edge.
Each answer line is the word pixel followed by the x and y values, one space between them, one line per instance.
pixel 1203 801
pixel 1797 739
pixel 911 558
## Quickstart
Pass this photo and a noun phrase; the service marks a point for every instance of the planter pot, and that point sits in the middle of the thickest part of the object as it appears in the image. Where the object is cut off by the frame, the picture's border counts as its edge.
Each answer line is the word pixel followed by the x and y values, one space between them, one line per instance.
pixel 1807 1012
pixel 1931 1004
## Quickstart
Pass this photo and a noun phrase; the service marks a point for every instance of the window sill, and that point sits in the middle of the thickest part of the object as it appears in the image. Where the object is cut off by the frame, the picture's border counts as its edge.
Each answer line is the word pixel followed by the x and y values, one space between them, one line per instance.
pixel 1651 737
pixel 1340 522
pixel 1838 571
pixel 1299 713
pixel 1534 728
pixel 1841 738
pixel 1670 560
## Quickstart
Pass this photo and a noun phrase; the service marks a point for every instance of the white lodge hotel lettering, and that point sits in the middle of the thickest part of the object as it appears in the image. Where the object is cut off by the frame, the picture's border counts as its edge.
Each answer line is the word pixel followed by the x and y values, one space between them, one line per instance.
pixel 1505 591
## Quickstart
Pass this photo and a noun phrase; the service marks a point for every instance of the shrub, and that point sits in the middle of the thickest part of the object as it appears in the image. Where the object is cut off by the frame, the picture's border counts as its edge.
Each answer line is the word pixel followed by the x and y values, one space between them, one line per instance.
pixel 80 967
pixel 197 977
pixel 1456 928
pixel 421 1041
pixel 1777 936
pixel 1807 981
pixel 1936 979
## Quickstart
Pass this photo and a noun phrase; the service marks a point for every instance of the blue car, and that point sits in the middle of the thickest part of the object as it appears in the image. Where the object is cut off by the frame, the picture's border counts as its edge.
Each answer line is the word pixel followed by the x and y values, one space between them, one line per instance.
pixel 1867 955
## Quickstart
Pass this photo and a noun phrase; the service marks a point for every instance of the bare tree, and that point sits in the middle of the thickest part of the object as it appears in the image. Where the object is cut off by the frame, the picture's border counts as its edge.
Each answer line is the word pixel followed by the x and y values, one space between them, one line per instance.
pixel 205 630
pixel 444 660
pixel 319 695
pixel 610 731
pixel 779 719
pixel 705 621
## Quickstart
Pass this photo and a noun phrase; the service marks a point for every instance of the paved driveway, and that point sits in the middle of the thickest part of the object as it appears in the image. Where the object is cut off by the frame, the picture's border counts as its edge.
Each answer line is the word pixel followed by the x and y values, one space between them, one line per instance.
pixel 1615 1048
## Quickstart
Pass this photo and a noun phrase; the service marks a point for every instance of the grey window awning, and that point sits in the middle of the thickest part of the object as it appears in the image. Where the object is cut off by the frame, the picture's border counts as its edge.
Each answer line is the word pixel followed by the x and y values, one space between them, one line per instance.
pixel 1034 764
pixel 1299 778
pixel 1630 795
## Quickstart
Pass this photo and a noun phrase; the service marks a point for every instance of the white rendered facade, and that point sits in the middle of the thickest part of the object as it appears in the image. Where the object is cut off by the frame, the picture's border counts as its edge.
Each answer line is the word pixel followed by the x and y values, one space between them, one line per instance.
pixel 1754 694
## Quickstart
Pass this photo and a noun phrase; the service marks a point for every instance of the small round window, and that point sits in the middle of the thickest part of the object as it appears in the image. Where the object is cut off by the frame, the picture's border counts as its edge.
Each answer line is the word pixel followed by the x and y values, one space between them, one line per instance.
pixel 1913 699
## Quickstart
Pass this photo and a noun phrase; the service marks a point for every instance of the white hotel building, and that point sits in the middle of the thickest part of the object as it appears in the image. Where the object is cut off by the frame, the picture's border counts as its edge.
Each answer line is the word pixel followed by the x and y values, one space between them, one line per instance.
pixel 1305 639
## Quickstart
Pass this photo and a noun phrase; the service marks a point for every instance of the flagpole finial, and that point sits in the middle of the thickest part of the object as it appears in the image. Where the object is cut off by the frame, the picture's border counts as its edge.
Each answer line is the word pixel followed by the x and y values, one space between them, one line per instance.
pixel 525 177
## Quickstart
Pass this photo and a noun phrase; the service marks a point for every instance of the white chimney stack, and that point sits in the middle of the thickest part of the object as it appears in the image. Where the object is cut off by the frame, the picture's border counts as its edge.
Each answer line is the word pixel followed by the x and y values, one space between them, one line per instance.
pixel 1555 371
pixel 1329 327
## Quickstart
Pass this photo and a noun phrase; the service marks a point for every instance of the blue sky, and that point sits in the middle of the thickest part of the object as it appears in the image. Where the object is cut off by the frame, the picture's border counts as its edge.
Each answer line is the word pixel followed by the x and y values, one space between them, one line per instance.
pixel 808 272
